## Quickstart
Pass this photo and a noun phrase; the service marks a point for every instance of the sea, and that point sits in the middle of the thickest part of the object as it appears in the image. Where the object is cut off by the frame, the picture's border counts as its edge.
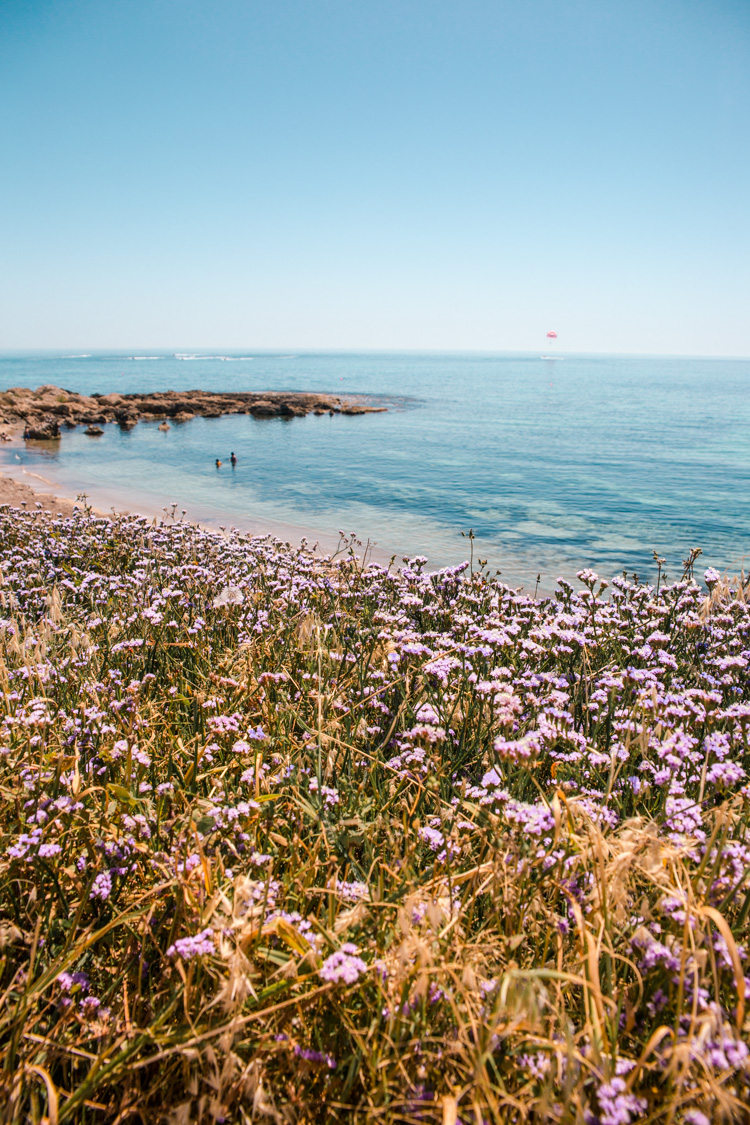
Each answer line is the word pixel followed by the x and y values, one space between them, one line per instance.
pixel 536 466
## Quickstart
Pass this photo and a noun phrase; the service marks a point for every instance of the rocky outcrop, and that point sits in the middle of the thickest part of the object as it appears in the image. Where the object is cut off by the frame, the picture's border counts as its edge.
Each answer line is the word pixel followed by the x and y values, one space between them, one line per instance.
pixel 42 429
pixel 44 410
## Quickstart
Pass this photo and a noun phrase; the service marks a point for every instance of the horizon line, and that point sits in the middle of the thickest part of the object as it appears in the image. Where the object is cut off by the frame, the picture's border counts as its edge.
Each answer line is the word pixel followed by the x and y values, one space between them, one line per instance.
pixel 126 352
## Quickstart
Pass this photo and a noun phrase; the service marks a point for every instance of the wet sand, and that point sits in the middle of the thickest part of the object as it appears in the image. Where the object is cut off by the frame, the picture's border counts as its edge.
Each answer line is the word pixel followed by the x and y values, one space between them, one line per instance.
pixel 19 494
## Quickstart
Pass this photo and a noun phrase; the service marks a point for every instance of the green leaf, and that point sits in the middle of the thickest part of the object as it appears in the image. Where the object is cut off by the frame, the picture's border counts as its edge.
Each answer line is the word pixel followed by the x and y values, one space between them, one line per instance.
pixel 123 794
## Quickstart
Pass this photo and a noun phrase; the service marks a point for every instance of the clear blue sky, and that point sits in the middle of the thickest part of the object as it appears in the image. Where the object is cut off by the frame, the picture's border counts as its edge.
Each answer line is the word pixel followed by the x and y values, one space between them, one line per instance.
pixel 375 174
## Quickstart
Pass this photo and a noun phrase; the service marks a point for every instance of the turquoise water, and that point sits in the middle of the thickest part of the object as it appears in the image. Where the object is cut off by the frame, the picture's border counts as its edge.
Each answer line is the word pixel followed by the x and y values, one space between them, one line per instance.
pixel 554 464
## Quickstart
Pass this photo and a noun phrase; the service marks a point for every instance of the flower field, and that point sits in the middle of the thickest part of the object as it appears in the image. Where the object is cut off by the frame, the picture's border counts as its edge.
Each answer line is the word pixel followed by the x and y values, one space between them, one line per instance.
pixel 291 839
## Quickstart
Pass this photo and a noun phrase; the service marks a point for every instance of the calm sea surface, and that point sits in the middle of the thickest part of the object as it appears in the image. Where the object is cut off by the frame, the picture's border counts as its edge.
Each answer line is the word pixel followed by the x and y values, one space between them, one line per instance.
pixel 554 464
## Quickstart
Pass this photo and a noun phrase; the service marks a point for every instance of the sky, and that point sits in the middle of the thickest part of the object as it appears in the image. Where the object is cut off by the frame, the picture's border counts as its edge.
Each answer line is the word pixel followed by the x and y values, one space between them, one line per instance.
pixel 375 174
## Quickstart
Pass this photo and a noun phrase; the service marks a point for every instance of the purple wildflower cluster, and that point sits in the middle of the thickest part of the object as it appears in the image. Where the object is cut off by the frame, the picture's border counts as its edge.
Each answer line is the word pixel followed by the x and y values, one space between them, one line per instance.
pixel 343 966
pixel 196 946
pixel 255 754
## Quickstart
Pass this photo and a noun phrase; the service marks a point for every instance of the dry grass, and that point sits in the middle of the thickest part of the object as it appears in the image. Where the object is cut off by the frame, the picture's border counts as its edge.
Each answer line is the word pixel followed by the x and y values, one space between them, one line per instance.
pixel 519 830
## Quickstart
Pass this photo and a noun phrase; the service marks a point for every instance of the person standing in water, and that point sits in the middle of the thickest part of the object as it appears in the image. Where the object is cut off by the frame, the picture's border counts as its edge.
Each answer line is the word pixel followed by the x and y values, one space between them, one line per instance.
pixel 218 463
pixel 233 459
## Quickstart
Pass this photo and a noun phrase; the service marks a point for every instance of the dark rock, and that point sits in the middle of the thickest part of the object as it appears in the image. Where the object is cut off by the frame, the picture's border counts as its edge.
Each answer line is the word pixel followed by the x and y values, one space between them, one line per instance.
pixel 265 410
pixel 42 430
pixel 94 431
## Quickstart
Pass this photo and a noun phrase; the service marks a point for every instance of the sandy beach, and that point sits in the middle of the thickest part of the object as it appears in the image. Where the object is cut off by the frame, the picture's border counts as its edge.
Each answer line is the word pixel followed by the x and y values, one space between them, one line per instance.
pixel 27 489
pixel 19 494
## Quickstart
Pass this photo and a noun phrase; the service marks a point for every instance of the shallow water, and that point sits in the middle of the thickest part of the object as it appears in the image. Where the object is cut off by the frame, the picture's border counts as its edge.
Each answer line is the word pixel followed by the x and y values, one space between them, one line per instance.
pixel 554 464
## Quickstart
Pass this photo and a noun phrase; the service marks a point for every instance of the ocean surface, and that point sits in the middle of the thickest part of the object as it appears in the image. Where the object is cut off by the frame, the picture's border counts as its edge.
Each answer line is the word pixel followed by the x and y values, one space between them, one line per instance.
pixel 554 464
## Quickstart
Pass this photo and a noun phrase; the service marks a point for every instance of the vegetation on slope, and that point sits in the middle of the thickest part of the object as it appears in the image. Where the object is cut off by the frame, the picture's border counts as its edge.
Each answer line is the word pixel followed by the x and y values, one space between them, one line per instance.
pixel 294 839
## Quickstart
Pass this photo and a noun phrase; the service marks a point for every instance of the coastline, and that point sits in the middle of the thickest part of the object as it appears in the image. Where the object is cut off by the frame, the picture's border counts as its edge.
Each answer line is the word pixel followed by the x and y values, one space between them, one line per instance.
pixel 39 414
pixel 554 471
pixel 24 488
pixel 18 494
pixel 19 487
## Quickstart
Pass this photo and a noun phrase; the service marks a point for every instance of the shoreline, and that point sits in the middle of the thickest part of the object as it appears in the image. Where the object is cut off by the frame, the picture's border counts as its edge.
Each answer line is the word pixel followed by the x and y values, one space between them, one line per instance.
pixel 18 494
pixel 19 486
pixel 34 489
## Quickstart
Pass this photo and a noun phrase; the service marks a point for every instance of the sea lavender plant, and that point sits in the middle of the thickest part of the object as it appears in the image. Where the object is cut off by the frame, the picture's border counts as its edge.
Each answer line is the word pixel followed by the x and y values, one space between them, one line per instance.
pixel 305 838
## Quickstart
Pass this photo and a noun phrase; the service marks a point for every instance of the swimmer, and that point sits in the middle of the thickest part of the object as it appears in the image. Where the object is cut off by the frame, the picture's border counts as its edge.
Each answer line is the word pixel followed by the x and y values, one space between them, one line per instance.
pixel 233 459
pixel 218 463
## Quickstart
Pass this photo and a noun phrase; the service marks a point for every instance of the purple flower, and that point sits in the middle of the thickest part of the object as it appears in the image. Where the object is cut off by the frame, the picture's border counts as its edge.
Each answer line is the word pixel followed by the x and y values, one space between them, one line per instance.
pixel 102 887
pixel 195 946
pixel 89 1006
pixel 315 1056
pixel 521 750
pixel 343 965
pixel 69 981
pixel 352 892
pixel 616 1105
pixel 432 837
pixel 721 773
pixel 330 796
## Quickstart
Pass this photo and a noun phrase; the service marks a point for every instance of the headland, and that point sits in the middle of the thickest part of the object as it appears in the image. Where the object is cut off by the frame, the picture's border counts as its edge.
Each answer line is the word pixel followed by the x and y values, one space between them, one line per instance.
pixel 45 410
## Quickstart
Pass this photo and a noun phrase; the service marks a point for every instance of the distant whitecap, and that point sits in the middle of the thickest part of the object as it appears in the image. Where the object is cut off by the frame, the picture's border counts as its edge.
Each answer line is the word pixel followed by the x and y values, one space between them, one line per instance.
pixel 224 358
